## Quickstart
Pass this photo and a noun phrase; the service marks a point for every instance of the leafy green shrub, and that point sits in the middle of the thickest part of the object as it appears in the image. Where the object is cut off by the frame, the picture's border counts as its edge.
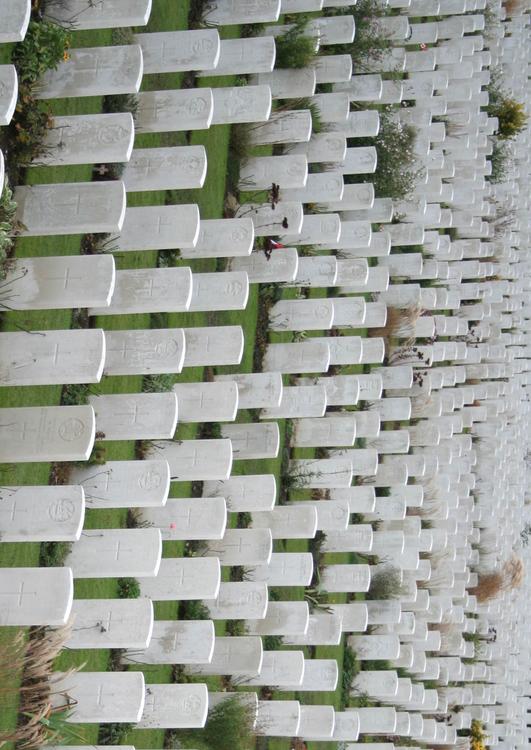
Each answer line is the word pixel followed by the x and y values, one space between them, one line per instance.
pixel 158 383
pixel 128 588
pixel 511 115
pixel 194 609
pixel 75 394
pixel 114 733
pixel 396 175
pixel 115 103
pixel 369 44
pixel 45 45
pixel 351 668
pixel 8 209
pixel 500 160
pixel 229 726
pixel 53 554
pixel 294 50
pixel 385 584
pixel 272 642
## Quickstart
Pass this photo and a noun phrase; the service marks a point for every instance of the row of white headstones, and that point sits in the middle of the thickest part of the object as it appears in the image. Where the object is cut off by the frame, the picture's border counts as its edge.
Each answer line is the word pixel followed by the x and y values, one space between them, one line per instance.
pixel 459 396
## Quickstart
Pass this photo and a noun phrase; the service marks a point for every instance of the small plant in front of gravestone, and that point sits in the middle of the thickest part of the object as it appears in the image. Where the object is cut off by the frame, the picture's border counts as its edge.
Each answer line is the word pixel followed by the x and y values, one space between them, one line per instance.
pixel 369 44
pixel 128 588
pixel 75 394
pixel 53 554
pixel 193 609
pixel 294 48
pixel 229 726
pixel 114 733
pixel 501 161
pixel 386 583
pixel 351 668
pixel 158 383
pixel 272 642
pixel 8 209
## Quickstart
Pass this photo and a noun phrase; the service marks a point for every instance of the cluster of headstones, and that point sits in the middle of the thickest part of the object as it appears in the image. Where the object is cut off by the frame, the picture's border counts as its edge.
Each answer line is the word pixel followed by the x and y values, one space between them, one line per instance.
pixel 456 460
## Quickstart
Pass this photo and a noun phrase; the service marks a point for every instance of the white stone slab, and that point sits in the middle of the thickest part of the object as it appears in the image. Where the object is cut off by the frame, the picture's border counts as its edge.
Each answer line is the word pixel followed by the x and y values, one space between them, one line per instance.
pixel 238 600
pixel 35 596
pixel 170 168
pixel 298 401
pixel 70 208
pixel 41 514
pixel 260 172
pixel 244 57
pixel 303 357
pixel 251 440
pixel 280 267
pixel 345 578
pixel 88 139
pixel 135 416
pixel 179 51
pixel 278 718
pixel 229 12
pixel 269 221
pixel 282 618
pixel 100 697
pixel 174 706
pixel 257 389
pixel 355 538
pixel 59 282
pixel 378 647
pixel 228 290
pixel 143 290
pixel 317 722
pixel 241 104
pixel 174 110
pixel 144 352
pixel 183 578
pixel 15 19
pixel 244 493
pixel 47 433
pixel 279 669
pixel 222 238
pixel 324 629
pixel 235 655
pixel 111 623
pixel 207 402
pixel 52 357
pixel 188 518
pixel 293 126
pixel 297 521
pixel 115 553
pixel 158 228
pixel 191 460
pixel 243 547
pixel 213 345
pixel 285 569
pixel 8 92
pixel 321 472
pixel 176 642
pixel 94 71
pixel 123 484
pixel 107 14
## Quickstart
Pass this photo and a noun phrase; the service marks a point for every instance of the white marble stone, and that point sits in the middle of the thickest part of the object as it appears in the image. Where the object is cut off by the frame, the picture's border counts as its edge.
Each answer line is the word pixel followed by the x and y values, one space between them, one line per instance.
pixel 88 139
pixel 291 126
pixel 213 345
pixel 285 569
pixel 191 460
pixel 51 357
pixel 244 493
pixel 282 618
pixel 296 521
pixel 167 168
pixel 345 578
pixel 324 629
pixel 94 71
pixel 237 656
pixel 222 238
pixel 227 290
pixel 323 432
pixel 229 12
pixel 70 208
pixel 142 290
pixel 174 706
pixel 35 596
pixel 256 390
pixel 135 416
pixel 15 19
pixel 124 484
pixel 175 642
pixel 242 547
pixel 260 172
pixel 115 553
pixel 158 228
pixel 144 352
pixel 111 623
pixel 174 110
pixel 251 440
pixel 279 669
pixel 188 518
pixel 100 697
pixel 278 718
pixel 207 402
pixel 8 93
pixel 85 14
pixel 179 51
pixel 280 267
pixel 244 57
pixel 41 514
pixel 183 578
pixel 239 600
pixel 47 433
pixel 241 104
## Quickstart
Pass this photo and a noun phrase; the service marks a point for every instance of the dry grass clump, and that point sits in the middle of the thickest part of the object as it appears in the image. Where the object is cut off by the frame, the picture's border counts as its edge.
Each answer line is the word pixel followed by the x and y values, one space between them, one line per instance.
pixel 490 585
pixel 32 657
pixel 399 322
